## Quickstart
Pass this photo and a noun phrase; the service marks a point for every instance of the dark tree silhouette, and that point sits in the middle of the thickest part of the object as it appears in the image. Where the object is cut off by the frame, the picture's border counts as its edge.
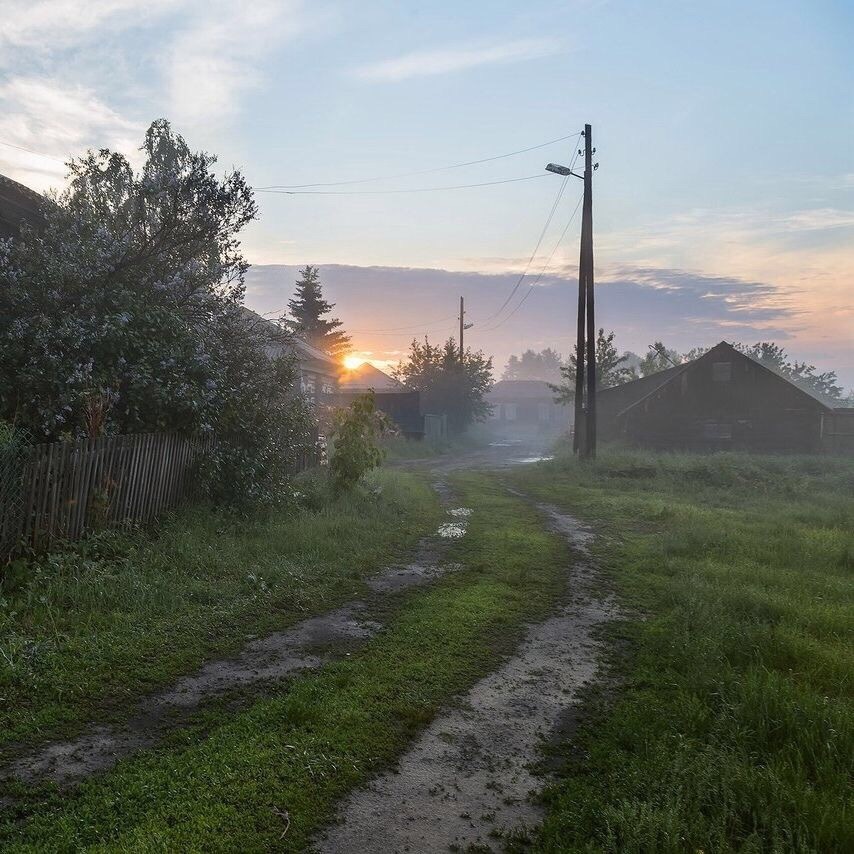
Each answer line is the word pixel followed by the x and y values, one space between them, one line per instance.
pixel 308 308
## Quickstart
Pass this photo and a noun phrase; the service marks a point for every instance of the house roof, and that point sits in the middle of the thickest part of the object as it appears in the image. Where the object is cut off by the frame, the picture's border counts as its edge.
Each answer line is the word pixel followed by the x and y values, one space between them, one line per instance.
pixel 723 348
pixel 282 338
pixel 18 204
pixel 520 390
pixel 365 377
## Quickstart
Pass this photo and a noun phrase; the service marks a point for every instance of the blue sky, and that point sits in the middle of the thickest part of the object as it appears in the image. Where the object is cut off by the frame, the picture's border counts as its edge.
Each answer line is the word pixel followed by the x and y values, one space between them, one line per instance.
pixel 724 203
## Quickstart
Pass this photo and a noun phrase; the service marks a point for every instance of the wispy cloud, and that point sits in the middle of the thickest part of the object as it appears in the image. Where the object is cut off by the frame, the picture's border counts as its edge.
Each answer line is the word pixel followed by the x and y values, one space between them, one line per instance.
pixel 52 24
pixel 212 62
pixel 456 58
pixel 56 120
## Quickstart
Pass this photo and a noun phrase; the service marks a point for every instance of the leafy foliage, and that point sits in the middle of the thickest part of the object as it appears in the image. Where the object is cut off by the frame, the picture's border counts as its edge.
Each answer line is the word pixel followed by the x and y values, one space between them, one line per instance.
pixel 543 365
pixel 308 307
pixel 448 386
pixel 611 368
pixel 124 313
pixel 356 434
pixel 800 373
pixel 658 358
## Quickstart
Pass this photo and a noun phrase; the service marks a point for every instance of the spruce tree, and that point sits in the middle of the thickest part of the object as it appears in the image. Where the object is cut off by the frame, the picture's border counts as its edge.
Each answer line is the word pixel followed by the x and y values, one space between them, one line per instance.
pixel 308 308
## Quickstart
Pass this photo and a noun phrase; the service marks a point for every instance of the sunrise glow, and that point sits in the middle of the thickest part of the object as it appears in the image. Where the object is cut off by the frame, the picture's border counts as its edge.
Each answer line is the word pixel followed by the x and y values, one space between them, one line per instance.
pixel 352 361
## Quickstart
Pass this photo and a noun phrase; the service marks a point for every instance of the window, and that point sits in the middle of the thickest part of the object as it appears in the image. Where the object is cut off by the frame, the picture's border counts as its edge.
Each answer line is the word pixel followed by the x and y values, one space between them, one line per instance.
pixel 543 411
pixel 721 372
pixel 509 411
pixel 717 430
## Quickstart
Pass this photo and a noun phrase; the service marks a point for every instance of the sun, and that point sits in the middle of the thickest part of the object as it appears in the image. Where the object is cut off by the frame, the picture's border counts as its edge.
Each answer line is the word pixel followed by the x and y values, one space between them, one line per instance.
pixel 352 362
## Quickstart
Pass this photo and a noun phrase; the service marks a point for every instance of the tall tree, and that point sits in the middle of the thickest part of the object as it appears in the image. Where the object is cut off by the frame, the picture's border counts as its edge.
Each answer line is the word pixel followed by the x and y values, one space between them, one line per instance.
pixel 611 369
pixel 531 365
pixel 308 308
pixel 448 386
pixel 773 356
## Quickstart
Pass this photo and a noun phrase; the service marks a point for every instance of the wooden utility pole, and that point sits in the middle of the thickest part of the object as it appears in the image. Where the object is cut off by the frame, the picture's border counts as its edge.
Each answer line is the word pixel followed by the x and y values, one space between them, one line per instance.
pixel 587 253
pixel 579 436
pixel 584 441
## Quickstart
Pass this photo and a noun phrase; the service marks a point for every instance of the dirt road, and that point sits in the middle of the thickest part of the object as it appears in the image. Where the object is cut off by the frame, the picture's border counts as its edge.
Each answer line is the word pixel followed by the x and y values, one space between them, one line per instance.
pixel 468 780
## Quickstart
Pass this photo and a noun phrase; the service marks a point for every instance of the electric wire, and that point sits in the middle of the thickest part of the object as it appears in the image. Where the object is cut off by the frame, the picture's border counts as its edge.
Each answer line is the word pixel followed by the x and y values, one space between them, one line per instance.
pixel 521 278
pixel 420 171
pixel 394 192
pixel 541 273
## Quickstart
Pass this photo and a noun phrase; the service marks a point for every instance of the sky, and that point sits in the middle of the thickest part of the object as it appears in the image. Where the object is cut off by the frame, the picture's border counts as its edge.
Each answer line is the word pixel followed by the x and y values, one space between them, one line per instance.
pixel 723 203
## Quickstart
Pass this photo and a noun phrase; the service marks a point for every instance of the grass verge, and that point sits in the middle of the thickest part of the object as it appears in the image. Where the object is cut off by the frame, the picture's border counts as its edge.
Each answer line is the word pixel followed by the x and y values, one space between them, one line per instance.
pixel 734 726
pixel 86 631
pixel 297 752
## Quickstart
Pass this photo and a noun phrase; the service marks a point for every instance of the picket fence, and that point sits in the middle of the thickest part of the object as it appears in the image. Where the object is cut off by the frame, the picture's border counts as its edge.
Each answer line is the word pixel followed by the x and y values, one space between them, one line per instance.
pixel 59 491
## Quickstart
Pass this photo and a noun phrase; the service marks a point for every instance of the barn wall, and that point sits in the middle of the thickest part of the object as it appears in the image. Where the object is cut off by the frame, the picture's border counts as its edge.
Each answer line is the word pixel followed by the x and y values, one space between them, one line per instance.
pixel 727 401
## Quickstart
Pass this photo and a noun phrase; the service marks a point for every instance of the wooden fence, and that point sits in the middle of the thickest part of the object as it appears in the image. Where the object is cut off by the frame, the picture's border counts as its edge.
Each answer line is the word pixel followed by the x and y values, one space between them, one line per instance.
pixel 59 490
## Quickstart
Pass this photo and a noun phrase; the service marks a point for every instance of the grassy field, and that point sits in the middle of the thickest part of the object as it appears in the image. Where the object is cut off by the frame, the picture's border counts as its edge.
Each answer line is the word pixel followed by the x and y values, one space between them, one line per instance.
pixel 86 631
pixel 302 748
pixel 732 725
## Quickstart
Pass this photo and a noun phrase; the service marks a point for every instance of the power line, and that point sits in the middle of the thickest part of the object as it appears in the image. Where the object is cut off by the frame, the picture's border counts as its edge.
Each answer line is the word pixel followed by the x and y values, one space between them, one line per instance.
pixel 533 254
pixel 541 273
pixel 420 171
pixel 30 151
pixel 516 287
pixel 386 192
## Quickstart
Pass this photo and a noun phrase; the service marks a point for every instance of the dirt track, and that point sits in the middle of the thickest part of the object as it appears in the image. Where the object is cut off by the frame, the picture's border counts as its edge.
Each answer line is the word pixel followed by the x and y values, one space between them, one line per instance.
pixel 468 778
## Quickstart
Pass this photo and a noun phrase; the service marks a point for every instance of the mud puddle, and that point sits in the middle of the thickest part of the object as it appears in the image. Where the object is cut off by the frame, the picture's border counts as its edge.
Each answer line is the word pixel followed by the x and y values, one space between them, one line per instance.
pixel 467 781
pixel 262 662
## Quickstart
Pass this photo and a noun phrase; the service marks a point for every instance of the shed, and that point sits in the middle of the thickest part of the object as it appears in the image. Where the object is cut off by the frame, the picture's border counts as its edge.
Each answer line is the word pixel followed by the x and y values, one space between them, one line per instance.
pixel 401 403
pixel 724 400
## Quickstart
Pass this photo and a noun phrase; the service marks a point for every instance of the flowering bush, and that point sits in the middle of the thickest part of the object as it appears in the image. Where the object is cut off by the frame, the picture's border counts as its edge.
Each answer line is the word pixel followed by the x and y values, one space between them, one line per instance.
pixel 125 311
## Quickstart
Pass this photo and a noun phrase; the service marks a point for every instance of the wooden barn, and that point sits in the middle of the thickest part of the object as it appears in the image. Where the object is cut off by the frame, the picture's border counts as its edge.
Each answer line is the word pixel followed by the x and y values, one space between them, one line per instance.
pixel 400 403
pixel 723 400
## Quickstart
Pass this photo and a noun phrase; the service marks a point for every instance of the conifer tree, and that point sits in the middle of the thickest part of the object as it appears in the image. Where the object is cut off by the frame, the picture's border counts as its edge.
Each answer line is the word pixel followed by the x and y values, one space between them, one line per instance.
pixel 308 308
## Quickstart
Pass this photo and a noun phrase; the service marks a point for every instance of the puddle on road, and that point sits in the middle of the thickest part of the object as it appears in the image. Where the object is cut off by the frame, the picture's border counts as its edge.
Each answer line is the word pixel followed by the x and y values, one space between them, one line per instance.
pixel 452 530
pixel 529 460
pixel 460 511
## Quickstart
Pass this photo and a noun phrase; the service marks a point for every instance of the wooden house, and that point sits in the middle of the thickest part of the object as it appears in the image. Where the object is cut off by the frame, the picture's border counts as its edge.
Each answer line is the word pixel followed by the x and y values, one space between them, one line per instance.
pixel 723 400
pixel 526 406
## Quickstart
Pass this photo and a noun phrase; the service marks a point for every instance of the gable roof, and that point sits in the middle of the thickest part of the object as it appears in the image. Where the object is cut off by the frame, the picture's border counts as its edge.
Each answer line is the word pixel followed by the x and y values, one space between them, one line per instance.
pixel 18 205
pixel 365 377
pixel 721 349
pixel 281 338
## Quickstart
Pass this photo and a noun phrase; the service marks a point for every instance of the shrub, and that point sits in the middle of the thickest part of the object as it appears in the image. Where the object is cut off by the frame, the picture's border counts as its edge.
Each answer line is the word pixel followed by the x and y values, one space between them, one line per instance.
pixel 356 432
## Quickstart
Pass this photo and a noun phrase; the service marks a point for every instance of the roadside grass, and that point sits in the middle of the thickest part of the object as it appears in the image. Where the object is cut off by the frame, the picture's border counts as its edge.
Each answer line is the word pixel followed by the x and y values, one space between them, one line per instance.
pixel 401 449
pixel 86 631
pixel 268 777
pixel 732 724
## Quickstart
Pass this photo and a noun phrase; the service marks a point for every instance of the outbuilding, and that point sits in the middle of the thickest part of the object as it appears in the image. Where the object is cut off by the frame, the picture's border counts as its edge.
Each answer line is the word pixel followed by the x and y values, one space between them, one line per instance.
pixel 724 400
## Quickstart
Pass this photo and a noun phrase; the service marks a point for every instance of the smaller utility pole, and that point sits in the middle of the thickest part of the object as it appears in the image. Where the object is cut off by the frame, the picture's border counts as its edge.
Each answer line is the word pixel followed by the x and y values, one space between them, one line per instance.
pixel 462 328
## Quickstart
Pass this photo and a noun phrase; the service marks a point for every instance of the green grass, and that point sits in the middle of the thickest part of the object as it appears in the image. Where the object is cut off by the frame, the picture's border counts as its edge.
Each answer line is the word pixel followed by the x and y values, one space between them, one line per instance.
pixel 84 632
pixel 300 750
pixel 732 728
